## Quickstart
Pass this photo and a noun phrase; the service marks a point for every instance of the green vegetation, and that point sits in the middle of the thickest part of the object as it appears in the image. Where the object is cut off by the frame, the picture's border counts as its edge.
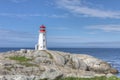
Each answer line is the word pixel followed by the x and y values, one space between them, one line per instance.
pixel 28 64
pixel 51 57
pixel 96 78
pixel 47 79
pixel 8 68
pixel 20 58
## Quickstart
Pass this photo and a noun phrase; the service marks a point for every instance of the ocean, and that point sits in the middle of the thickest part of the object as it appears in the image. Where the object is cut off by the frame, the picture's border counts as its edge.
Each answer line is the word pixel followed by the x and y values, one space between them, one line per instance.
pixel 111 55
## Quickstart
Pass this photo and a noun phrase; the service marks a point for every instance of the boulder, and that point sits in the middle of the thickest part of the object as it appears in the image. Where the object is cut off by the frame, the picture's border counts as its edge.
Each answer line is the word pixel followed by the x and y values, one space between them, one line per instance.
pixel 17 77
pixel 40 54
pixel 51 74
pixel 45 60
pixel 95 64
pixel 114 71
pixel 23 51
pixel 77 63
pixel 58 59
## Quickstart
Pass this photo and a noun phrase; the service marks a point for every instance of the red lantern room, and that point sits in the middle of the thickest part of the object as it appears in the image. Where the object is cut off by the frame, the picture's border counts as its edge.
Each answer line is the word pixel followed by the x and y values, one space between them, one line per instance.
pixel 42 28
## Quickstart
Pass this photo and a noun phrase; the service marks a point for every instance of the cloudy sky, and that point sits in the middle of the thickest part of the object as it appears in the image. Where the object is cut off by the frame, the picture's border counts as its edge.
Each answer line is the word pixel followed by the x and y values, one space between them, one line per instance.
pixel 70 23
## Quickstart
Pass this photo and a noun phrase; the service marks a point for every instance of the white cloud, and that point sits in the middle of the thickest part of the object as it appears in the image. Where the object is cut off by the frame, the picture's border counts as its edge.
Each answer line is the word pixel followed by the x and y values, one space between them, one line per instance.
pixel 18 1
pixel 78 41
pixel 15 36
pixel 67 39
pixel 77 7
pixel 57 16
pixel 106 28
pixel 17 15
pixel 58 28
pixel 10 38
pixel 34 15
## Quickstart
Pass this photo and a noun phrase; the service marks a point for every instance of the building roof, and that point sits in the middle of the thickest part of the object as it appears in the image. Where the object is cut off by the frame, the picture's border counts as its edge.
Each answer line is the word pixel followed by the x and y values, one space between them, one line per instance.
pixel 42 26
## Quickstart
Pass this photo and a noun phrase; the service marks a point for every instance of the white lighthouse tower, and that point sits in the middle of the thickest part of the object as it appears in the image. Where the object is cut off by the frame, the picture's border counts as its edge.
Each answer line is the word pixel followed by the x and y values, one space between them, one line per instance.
pixel 42 45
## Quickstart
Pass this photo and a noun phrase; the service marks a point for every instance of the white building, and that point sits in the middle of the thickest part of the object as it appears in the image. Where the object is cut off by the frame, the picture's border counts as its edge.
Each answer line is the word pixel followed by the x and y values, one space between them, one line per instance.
pixel 42 43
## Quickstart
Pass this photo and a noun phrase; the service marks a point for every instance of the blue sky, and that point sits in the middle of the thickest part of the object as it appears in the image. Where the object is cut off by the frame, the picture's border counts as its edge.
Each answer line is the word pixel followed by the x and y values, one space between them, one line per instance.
pixel 70 23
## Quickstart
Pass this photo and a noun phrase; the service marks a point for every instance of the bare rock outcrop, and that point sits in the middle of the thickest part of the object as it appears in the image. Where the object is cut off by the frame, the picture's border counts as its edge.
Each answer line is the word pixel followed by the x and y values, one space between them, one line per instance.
pixel 35 65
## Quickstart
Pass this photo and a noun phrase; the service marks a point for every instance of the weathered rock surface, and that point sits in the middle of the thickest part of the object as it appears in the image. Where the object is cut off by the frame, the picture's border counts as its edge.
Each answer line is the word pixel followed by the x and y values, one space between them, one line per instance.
pixel 51 65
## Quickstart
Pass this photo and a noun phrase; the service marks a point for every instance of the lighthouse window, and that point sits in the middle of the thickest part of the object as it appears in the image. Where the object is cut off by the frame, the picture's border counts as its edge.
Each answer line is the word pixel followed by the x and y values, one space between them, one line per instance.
pixel 43 34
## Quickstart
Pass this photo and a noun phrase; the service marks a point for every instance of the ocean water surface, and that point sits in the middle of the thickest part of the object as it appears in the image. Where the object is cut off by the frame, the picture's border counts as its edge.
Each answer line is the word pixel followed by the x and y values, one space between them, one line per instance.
pixel 111 55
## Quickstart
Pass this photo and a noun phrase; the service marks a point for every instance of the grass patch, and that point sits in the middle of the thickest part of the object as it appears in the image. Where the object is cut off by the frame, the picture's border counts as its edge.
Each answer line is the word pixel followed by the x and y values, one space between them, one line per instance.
pixel 95 78
pixel 28 64
pixel 50 55
pixel 114 78
pixel 72 78
pixel 22 61
pixel 8 68
pixel 20 58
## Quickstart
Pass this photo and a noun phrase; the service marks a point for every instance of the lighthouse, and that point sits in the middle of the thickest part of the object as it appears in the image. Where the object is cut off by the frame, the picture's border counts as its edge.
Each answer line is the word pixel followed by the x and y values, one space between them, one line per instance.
pixel 42 43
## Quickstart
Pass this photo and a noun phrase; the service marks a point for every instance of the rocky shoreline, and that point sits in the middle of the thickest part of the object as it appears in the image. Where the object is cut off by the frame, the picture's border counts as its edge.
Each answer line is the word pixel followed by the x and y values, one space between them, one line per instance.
pixel 48 64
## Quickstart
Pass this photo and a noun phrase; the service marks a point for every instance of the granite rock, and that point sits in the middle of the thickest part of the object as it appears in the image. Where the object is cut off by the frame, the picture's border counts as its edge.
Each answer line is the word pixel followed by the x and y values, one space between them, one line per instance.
pixel 48 64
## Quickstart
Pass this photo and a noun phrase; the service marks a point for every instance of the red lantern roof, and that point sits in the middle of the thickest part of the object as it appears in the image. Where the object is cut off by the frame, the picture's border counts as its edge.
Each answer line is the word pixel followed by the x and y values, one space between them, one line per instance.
pixel 42 26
